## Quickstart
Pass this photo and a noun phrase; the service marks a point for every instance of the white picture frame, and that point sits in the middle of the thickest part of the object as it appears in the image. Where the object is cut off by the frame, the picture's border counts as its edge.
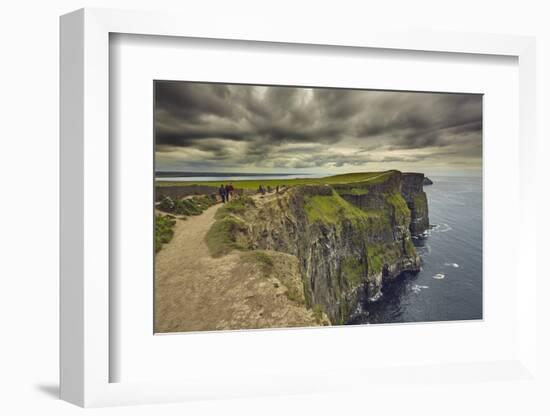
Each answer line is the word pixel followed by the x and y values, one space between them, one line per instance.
pixel 85 216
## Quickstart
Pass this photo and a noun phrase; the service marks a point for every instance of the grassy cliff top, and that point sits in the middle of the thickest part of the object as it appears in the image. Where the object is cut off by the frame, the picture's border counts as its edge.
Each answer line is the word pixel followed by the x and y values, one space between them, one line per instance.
pixel 370 177
pixel 331 209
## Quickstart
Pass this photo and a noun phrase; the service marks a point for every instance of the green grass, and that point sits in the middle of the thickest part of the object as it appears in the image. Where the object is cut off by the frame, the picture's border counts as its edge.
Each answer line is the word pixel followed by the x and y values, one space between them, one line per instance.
pixel 332 209
pixel 410 249
pixel 222 237
pixel 204 202
pixel 164 230
pixel 329 209
pixel 260 258
pixel 186 206
pixel 318 312
pixel 235 207
pixel 370 177
pixel 358 191
pixel 420 203
pixel 375 258
pixel 380 254
pixel 353 271
pixel 401 210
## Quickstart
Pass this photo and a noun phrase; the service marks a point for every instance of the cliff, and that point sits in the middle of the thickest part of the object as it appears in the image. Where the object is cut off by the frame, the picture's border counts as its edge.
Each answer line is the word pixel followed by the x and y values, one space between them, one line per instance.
pixel 413 193
pixel 348 237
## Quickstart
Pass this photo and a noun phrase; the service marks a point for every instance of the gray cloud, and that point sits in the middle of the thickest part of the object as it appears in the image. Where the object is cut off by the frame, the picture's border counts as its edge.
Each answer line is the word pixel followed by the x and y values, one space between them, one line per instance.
pixel 210 126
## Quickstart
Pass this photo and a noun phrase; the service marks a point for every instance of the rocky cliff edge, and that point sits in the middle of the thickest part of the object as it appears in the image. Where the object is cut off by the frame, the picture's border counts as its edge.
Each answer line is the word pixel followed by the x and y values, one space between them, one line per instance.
pixel 348 237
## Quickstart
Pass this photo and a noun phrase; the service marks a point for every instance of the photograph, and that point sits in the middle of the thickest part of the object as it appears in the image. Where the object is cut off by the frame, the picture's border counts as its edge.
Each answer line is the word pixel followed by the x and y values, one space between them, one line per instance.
pixel 282 206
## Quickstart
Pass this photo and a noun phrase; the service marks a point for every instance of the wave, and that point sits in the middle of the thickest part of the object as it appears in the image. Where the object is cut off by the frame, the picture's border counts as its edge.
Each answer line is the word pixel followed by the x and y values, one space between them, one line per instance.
pixel 439 276
pixel 375 297
pixel 456 266
pixel 439 228
pixel 418 288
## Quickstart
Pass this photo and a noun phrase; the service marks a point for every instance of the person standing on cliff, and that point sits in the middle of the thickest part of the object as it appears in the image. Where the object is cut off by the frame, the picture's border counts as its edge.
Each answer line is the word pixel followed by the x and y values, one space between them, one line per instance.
pixel 227 192
pixel 222 193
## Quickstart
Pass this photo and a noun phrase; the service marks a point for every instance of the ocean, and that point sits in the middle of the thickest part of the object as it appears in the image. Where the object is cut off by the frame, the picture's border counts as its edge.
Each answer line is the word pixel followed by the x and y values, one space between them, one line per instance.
pixel 449 286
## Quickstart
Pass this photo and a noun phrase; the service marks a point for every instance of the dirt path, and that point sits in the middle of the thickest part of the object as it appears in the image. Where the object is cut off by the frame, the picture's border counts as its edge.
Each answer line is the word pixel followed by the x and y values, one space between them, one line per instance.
pixel 195 292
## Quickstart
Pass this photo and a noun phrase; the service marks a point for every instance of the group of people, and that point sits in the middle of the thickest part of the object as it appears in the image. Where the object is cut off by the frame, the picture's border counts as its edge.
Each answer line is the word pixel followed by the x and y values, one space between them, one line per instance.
pixel 262 190
pixel 226 192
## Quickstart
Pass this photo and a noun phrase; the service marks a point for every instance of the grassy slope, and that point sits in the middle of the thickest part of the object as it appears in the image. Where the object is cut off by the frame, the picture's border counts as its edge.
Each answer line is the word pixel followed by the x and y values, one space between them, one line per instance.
pixel 371 177
pixel 333 209
pixel 164 230
pixel 222 237
pixel 192 206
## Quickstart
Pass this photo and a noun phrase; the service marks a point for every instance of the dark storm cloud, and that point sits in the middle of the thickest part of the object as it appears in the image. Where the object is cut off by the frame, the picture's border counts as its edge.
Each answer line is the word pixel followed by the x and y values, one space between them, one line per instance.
pixel 422 120
pixel 189 101
pixel 285 127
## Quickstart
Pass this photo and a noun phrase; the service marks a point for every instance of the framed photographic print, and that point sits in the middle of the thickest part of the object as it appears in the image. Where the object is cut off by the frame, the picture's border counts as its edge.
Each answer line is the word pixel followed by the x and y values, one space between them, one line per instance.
pixel 238 208
pixel 284 206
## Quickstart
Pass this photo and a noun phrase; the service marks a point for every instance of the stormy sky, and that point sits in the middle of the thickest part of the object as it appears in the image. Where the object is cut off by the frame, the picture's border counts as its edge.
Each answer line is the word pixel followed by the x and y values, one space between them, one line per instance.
pixel 204 127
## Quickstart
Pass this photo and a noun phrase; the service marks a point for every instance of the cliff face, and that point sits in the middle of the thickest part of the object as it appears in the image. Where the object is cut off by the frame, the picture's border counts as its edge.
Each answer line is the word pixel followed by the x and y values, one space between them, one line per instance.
pixel 413 193
pixel 348 238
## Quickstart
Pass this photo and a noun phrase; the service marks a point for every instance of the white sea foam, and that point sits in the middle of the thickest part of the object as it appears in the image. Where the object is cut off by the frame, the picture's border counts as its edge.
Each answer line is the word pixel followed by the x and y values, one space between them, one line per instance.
pixel 374 298
pixel 456 266
pixel 444 228
pixel 439 276
pixel 439 228
pixel 418 288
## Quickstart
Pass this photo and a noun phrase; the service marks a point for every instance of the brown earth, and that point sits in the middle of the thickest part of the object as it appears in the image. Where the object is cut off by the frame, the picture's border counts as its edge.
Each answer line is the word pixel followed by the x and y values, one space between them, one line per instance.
pixel 196 292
